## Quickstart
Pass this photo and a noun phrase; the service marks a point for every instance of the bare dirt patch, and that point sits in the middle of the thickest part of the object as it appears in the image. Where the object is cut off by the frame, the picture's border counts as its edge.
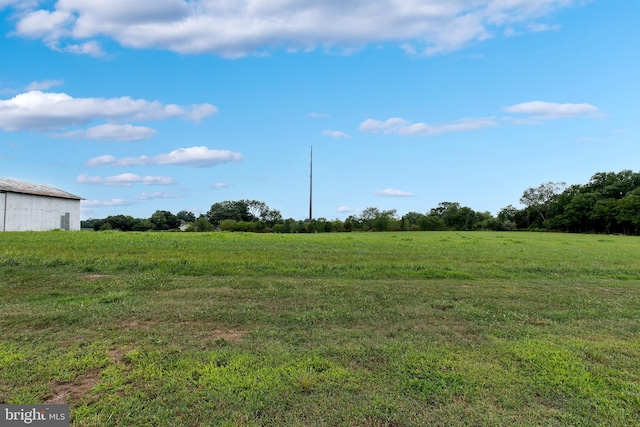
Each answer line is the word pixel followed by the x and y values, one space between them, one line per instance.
pixel 142 324
pixel 69 393
pixel 117 355
pixel 226 334
pixel 73 392
pixel 215 334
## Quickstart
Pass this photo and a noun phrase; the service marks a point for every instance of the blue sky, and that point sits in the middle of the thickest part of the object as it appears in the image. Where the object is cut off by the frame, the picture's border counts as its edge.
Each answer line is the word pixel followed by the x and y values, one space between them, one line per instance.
pixel 175 105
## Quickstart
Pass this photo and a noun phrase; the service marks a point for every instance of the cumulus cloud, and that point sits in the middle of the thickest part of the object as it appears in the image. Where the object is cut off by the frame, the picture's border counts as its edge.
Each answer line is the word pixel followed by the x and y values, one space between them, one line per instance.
pixel 552 111
pixel 335 134
pixel 235 29
pixel 399 126
pixel 112 132
pixel 124 180
pixel 200 156
pixel 157 195
pixel 36 110
pixel 219 185
pixel 392 192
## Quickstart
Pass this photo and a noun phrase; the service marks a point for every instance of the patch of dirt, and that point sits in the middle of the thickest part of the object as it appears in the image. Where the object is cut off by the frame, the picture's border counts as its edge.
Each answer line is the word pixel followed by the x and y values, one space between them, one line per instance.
pixel 216 334
pixel 73 392
pixel 144 325
pixel 64 393
pixel 117 355
pixel 226 334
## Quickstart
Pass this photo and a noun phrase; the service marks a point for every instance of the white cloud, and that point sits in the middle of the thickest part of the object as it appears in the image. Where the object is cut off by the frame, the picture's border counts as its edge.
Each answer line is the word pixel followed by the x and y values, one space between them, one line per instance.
pixel 399 126
pixel 124 180
pixel 45 24
pixel 36 110
pixel 347 209
pixel 157 195
pixel 102 203
pixel 194 156
pixel 91 48
pixel 521 122
pixel 335 134
pixel 5 3
pixel 552 111
pixel 44 85
pixel 239 28
pixel 539 28
pixel 392 192
pixel 112 132
pixel 218 185
pixel 391 125
pixel 536 112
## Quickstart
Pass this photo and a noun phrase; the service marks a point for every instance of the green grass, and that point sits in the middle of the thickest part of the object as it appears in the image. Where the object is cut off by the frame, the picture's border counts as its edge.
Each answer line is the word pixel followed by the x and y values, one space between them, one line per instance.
pixel 353 329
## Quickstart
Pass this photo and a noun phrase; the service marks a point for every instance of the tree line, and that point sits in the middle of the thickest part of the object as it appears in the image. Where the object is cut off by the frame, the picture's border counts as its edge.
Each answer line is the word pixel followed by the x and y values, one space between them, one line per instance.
pixel 608 203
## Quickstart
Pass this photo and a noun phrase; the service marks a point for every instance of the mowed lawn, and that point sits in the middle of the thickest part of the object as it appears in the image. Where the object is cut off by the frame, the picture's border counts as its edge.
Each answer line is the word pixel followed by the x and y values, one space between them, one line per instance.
pixel 349 329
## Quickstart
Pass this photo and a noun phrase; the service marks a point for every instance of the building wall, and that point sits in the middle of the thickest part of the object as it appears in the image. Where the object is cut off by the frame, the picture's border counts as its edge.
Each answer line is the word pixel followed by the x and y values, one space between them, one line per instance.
pixel 24 212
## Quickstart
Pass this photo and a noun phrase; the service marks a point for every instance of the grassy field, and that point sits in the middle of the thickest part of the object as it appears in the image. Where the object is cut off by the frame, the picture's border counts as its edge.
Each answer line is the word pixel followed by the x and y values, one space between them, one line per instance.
pixel 352 329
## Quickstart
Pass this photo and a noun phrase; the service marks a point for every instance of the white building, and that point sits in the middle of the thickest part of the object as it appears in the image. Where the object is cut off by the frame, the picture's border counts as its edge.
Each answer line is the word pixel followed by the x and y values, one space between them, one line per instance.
pixel 38 207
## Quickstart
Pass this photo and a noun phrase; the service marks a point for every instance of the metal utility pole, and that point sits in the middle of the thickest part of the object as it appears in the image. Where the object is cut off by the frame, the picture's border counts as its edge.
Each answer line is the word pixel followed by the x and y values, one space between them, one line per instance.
pixel 311 186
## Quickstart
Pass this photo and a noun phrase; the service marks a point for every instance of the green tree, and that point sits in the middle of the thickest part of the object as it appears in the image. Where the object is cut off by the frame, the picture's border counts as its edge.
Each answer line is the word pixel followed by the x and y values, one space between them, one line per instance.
pixel 507 214
pixel 141 225
pixel 577 213
pixel 164 220
pixel 337 225
pixel 256 209
pixel 229 225
pixel 384 220
pixel 367 216
pixel 271 217
pixel 431 223
pixel 444 208
pixel 611 185
pixel 186 216
pixel 464 219
pixel 117 222
pixel 412 219
pixel 234 210
pixel 201 224
pixel 604 213
pixel 629 212
pixel 538 200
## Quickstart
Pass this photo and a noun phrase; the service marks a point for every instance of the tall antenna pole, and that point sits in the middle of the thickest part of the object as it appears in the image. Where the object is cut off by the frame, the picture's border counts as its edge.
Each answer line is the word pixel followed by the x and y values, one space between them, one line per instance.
pixel 311 186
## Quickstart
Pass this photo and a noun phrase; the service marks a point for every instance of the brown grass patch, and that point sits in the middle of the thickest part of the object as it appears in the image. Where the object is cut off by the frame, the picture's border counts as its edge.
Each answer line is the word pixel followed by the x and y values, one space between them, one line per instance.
pixel 70 393
pixel 226 334
pixel 197 328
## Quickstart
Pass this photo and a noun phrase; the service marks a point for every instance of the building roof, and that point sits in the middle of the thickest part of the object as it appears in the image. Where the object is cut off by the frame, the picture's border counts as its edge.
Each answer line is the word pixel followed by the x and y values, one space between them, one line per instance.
pixel 8 185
